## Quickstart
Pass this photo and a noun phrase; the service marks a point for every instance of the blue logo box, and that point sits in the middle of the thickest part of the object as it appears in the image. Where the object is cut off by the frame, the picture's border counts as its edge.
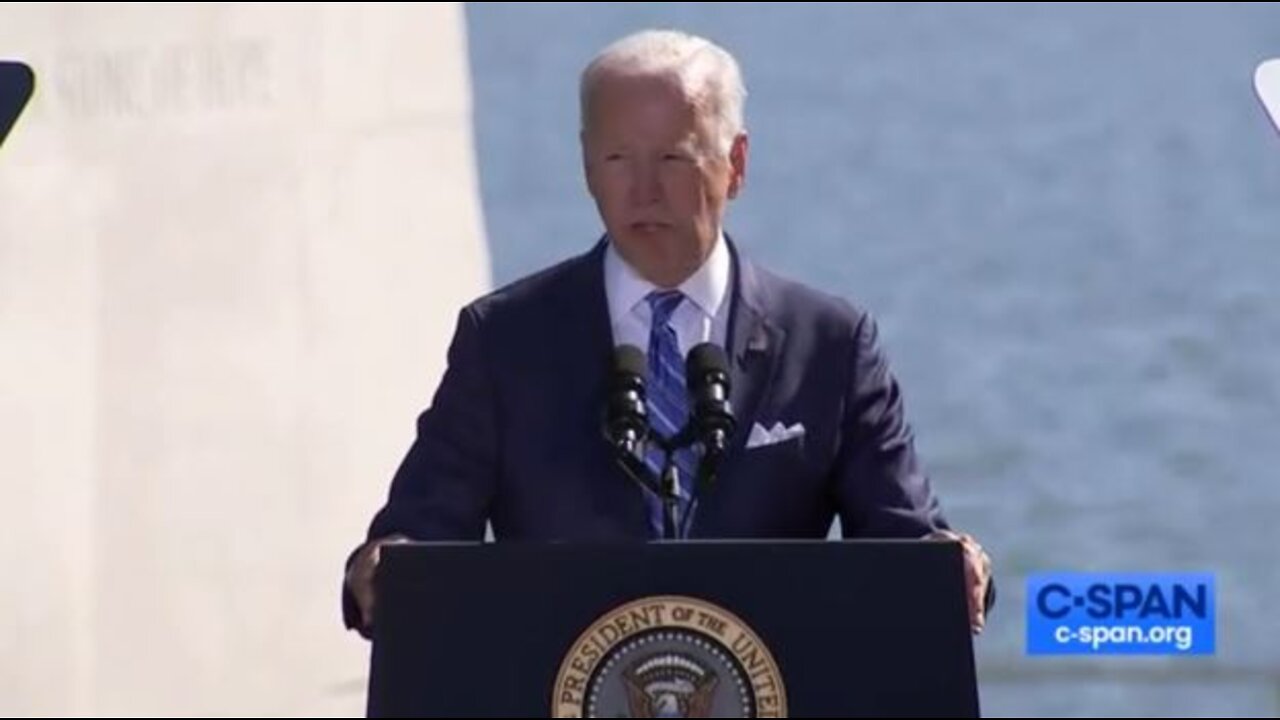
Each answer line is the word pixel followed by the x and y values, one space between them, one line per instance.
pixel 1120 614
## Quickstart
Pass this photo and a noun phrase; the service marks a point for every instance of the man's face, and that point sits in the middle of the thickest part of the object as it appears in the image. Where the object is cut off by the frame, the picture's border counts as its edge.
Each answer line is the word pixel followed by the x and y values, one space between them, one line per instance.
pixel 657 174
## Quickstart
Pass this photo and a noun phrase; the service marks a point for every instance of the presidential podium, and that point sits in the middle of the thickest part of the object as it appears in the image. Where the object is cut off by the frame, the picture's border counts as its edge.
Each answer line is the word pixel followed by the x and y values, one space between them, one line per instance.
pixel 691 629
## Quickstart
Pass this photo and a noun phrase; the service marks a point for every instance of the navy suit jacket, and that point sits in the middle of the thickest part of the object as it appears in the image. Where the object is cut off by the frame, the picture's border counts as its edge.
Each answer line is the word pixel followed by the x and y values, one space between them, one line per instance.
pixel 514 435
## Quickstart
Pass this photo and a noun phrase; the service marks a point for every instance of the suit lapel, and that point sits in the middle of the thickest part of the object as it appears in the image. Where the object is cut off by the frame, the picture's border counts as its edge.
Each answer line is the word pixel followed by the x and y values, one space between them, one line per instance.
pixel 587 334
pixel 584 320
pixel 755 346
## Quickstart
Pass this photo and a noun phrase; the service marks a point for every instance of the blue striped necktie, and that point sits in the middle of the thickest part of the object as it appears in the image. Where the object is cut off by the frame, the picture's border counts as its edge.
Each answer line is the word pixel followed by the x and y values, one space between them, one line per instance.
pixel 668 401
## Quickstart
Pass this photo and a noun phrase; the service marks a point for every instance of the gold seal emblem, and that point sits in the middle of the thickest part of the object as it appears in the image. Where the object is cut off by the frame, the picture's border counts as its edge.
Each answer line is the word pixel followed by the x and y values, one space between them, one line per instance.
pixel 669 657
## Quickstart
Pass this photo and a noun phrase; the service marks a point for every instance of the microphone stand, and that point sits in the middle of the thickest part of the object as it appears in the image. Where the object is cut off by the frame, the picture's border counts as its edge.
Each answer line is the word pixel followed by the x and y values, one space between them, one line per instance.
pixel 666 487
pixel 709 428
pixel 670 496
pixel 708 468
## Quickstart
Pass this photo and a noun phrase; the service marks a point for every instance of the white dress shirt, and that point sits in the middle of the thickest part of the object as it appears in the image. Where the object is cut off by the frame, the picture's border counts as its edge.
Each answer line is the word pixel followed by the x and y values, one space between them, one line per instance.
pixel 702 317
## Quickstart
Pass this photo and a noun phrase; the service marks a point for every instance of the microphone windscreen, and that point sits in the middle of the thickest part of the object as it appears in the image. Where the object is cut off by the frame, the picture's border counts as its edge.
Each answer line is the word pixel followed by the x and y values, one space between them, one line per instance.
pixel 703 360
pixel 628 361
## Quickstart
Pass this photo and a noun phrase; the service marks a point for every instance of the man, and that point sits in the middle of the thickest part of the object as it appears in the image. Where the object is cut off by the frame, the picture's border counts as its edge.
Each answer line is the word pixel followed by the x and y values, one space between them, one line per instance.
pixel 514 433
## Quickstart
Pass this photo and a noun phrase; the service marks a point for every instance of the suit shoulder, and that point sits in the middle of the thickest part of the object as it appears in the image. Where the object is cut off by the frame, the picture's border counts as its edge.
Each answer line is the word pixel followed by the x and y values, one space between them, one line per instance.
pixel 537 292
pixel 797 304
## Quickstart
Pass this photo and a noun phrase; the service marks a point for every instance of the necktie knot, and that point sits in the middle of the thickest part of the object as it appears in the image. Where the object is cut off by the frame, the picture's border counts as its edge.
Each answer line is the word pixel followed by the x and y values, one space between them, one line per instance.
pixel 663 303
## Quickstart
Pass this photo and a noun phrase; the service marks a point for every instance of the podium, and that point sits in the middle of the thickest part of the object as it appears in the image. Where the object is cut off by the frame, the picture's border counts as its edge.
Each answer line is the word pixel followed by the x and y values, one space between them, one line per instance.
pixel 693 629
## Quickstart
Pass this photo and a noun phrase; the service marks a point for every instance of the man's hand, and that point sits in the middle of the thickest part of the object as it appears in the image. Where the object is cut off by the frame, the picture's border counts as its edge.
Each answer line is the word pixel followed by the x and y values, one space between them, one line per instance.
pixel 977 574
pixel 360 575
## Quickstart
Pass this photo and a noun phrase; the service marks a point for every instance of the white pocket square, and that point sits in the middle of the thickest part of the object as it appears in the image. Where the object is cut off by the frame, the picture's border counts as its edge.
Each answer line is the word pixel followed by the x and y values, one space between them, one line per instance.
pixel 761 437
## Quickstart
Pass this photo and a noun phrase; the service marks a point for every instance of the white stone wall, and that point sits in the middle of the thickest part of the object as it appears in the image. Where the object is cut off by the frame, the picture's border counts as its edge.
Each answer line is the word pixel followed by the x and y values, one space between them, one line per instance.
pixel 233 241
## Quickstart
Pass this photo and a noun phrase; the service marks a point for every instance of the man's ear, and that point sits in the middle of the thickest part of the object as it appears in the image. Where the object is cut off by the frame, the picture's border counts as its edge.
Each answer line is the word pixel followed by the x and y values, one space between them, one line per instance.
pixel 738 164
pixel 586 166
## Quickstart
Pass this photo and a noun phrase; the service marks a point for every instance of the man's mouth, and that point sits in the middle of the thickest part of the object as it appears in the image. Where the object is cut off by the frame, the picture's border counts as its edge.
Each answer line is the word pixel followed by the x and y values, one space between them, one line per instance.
pixel 647 227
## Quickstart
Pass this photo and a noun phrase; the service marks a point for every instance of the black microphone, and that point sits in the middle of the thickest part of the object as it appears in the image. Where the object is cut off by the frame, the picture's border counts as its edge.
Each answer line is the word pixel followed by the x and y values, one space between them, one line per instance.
pixel 707 375
pixel 626 423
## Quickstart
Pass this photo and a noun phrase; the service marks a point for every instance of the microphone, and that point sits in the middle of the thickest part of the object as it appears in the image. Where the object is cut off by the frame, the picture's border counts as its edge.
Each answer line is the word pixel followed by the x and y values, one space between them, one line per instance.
pixel 626 424
pixel 707 376
pixel 1266 81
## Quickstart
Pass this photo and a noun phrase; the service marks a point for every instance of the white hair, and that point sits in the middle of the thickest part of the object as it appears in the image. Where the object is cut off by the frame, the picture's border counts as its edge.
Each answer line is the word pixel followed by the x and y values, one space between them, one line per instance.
pixel 709 75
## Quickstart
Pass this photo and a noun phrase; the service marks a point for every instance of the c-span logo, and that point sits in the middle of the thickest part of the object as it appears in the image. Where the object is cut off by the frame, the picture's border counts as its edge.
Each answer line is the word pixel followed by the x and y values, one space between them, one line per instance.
pixel 669 657
pixel 1120 614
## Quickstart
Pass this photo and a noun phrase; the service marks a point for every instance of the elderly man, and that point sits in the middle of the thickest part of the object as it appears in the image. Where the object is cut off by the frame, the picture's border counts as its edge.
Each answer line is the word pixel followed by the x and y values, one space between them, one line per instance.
pixel 513 435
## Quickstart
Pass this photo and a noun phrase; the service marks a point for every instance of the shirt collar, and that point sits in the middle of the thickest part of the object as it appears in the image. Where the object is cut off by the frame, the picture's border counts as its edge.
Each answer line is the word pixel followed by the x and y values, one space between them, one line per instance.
pixel 707 288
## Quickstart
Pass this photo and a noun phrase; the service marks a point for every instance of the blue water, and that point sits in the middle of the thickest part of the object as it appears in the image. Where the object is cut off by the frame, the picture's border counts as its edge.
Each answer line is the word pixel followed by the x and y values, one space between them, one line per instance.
pixel 1067 219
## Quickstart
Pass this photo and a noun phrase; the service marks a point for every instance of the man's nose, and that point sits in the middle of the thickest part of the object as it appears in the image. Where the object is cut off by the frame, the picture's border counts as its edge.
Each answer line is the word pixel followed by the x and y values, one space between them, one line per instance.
pixel 646 187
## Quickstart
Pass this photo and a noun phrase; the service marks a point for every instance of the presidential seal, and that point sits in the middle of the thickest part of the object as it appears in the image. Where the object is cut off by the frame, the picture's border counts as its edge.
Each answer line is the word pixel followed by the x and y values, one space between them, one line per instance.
pixel 669 657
